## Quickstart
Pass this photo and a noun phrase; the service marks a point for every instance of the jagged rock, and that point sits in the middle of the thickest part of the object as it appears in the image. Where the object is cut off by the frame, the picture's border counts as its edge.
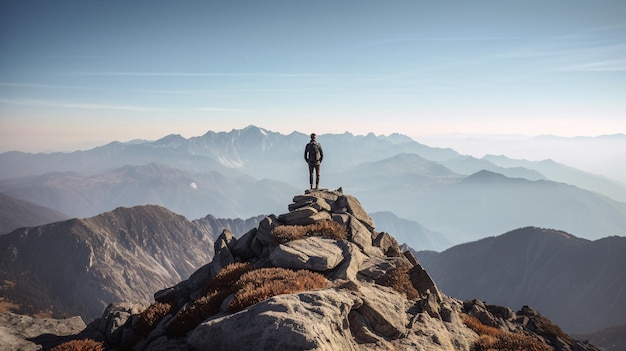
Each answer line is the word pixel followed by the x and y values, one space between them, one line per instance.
pixel 314 253
pixel 384 310
pixel 305 321
pixel 422 282
pixel 109 327
pixel 352 261
pixel 223 257
pixel 388 244
pixel 341 218
pixel 354 207
pixel 294 217
pixel 26 333
pixel 264 231
pixel 359 233
pixel 374 267
pixel 244 247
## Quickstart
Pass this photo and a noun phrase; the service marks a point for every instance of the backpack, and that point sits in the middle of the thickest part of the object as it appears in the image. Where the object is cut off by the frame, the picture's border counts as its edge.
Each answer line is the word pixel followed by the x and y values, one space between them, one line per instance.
pixel 313 149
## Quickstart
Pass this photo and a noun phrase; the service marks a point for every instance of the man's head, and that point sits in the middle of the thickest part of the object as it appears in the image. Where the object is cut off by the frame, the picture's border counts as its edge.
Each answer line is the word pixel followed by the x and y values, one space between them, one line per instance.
pixel 313 136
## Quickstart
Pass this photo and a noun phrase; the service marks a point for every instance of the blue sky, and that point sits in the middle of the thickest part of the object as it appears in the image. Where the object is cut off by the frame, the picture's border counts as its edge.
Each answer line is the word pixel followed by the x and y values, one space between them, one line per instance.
pixel 75 74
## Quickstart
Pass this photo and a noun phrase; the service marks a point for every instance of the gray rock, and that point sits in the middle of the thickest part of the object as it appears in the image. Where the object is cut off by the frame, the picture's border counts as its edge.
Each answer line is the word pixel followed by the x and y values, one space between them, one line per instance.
pixel 243 248
pixel 375 267
pixel 223 257
pixel 355 208
pixel 297 215
pixel 352 261
pixel 314 320
pixel 388 244
pixel 341 218
pixel 359 233
pixel 264 231
pixel 422 282
pixel 26 333
pixel 314 253
pixel 384 310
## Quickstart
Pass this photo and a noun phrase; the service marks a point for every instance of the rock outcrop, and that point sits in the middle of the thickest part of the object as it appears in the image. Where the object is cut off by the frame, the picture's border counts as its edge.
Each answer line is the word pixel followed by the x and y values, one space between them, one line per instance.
pixel 349 287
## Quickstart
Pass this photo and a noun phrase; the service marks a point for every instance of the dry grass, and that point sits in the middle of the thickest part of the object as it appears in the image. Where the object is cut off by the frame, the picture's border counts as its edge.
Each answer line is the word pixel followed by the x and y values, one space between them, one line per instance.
pixel 325 229
pixel 228 277
pixel 494 339
pixel 258 285
pixel 399 280
pixel 79 345
pixel 151 316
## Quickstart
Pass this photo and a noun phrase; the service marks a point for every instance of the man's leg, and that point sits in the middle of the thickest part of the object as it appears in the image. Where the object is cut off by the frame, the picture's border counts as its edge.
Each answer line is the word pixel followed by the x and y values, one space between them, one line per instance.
pixel 311 176
pixel 317 175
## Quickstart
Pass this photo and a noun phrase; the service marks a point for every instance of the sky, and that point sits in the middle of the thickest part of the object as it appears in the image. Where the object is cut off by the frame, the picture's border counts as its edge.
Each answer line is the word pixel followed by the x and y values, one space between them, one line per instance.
pixel 76 74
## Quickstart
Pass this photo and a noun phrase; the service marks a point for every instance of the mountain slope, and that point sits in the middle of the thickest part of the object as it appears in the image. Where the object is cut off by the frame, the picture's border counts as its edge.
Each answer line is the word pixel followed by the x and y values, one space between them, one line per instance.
pixel 575 282
pixel 561 173
pixel 192 195
pixel 16 213
pixel 78 266
pixel 487 203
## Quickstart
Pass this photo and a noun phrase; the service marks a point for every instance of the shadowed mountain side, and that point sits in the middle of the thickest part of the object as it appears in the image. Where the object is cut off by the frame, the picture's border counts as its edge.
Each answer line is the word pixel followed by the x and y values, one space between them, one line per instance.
pixel 16 213
pixel 486 203
pixel 192 195
pixel 577 283
pixel 469 165
pixel 78 266
pixel 409 232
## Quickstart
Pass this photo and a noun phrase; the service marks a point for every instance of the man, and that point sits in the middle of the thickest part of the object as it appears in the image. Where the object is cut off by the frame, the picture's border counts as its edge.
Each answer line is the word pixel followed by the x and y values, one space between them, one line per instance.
pixel 314 155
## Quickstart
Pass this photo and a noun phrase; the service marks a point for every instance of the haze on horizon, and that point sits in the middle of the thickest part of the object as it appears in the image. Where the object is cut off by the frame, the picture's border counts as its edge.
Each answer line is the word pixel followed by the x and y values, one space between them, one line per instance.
pixel 77 74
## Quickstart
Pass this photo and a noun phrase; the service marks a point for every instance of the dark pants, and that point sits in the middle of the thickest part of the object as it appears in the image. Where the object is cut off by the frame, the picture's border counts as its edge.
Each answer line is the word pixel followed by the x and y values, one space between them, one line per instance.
pixel 315 167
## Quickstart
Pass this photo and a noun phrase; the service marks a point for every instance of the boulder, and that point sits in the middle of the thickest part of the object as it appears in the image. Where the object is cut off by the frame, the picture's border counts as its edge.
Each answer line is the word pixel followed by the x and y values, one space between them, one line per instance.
pixel 223 257
pixel 314 253
pixel 243 248
pixel 352 261
pixel 313 320
pixel 359 234
pixel 264 231
pixel 26 333
pixel 384 310
pixel 422 282
pixel 388 244
pixel 354 207
pixel 296 215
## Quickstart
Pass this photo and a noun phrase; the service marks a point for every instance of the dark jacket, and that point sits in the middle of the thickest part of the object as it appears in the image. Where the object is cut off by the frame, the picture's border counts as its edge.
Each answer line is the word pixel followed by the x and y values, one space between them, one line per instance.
pixel 313 153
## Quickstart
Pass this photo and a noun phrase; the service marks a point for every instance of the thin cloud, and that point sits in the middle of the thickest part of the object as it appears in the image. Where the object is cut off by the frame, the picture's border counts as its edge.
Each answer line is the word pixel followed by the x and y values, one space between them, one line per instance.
pixel 599 66
pixel 219 109
pixel 200 74
pixel 80 106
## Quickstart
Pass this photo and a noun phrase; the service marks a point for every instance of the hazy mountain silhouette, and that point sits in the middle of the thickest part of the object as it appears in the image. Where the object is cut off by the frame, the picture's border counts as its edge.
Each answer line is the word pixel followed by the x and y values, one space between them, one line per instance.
pixel 211 173
pixel 577 283
pixel 488 203
pixel 192 195
pixel 410 232
pixel 79 266
pixel 565 174
pixel 16 213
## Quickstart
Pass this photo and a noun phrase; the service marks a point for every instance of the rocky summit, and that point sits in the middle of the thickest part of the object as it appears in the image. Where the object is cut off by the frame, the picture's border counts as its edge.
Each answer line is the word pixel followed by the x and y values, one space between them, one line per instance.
pixel 319 277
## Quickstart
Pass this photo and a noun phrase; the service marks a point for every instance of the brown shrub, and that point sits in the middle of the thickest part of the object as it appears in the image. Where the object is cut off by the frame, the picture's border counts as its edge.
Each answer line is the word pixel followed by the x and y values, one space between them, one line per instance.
pixel 218 289
pixel 151 316
pixel 189 317
pixel 551 329
pixel 79 345
pixel 227 277
pixel 326 229
pixel 399 280
pixel 261 284
pixel 494 339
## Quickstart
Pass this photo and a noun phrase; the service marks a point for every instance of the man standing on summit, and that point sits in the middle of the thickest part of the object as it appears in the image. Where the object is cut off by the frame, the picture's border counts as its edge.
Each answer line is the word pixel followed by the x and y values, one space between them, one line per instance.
pixel 314 155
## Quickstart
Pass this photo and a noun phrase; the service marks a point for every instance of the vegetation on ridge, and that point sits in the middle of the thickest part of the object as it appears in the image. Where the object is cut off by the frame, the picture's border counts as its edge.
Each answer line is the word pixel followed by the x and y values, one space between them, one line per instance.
pixel 248 287
pixel 79 345
pixel 494 339
pixel 326 229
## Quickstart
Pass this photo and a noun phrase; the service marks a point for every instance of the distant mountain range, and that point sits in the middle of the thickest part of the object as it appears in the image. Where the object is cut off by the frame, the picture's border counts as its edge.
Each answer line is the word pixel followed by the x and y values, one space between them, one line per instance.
pixel 79 266
pixel 239 174
pixel 575 282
